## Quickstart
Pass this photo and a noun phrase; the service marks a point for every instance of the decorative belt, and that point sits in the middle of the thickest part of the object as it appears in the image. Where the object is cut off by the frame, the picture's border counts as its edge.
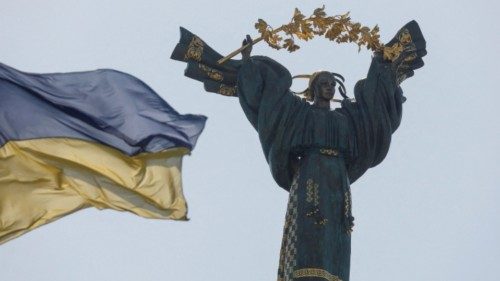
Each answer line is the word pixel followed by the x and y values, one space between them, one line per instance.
pixel 325 151
pixel 329 152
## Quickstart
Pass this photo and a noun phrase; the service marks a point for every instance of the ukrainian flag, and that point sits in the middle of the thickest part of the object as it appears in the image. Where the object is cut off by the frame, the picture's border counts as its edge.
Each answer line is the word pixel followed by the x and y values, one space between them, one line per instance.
pixel 101 138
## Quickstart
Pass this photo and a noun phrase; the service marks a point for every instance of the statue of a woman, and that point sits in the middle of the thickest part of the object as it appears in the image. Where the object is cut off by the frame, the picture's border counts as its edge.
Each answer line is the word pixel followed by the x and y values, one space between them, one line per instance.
pixel 313 151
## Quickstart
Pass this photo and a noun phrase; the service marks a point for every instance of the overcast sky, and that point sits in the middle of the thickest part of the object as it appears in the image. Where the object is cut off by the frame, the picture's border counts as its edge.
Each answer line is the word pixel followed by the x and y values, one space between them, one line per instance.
pixel 428 212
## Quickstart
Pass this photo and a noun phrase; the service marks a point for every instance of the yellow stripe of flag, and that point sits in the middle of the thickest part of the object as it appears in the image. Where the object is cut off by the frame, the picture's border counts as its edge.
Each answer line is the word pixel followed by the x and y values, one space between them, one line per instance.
pixel 44 179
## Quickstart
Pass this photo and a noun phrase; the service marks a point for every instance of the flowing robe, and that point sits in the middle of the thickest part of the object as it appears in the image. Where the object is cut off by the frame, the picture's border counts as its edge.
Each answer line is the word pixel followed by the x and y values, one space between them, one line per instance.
pixel 313 153
pixel 316 153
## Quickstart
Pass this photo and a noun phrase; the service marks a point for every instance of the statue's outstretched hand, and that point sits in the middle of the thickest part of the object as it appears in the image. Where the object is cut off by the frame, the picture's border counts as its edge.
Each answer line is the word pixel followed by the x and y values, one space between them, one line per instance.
pixel 245 53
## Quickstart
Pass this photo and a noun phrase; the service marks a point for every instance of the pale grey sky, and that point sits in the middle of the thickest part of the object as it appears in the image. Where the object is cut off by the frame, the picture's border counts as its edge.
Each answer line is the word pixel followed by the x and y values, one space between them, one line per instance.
pixel 428 212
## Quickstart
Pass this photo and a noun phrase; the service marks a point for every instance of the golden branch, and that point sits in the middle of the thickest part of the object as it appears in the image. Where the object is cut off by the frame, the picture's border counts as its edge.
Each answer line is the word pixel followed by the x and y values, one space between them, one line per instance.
pixel 338 28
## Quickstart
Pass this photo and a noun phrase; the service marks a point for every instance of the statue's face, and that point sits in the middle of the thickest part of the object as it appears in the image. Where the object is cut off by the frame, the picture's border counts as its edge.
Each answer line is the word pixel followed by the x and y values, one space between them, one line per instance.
pixel 324 86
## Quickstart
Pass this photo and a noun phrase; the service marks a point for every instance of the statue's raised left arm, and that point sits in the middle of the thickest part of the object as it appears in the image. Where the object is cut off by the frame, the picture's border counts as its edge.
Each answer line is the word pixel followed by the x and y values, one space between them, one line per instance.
pixel 377 111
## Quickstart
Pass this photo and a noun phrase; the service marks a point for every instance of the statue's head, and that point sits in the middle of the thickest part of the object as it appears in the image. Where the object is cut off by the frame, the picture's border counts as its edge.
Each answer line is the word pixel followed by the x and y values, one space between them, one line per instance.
pixel 322 86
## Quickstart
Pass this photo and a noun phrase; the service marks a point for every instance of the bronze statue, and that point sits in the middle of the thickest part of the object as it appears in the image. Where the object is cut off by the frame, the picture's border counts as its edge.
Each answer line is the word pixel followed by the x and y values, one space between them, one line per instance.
pixel 314 152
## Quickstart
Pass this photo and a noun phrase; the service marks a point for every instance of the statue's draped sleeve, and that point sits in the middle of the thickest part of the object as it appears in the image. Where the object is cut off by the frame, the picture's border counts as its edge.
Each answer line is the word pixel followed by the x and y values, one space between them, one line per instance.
pixel 377 112
pixel 373 118
pixel 263 90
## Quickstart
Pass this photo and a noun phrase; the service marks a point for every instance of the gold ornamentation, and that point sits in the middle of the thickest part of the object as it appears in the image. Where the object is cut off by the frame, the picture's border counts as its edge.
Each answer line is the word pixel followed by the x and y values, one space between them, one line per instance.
pixel 347 204
pixel 393 53
pixel 405 37
pixel 348 210
pixel 312 213
pixel 338 28
pixel 227 91
pixel 410 58
pixel 404 43
pixel 211 72
pixel 312 192
pixel 401 78
pixel 330 152
pixel 195 49
pixel 312 196
pixel 288 259
pixel 315 272
pixel 322 222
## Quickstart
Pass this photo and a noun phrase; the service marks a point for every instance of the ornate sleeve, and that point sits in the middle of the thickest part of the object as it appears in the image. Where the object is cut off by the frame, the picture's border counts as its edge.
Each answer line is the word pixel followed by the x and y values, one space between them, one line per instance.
pixel 279 116
pixel 377 112
pixel 262 86
pixel 202 64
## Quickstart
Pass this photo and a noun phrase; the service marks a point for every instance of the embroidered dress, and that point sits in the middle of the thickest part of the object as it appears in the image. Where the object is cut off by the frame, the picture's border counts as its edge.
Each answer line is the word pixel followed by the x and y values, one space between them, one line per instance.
pixel 315 144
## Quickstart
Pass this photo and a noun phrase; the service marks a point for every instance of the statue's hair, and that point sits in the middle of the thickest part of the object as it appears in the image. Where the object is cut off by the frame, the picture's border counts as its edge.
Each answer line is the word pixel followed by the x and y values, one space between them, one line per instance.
pixel 309 94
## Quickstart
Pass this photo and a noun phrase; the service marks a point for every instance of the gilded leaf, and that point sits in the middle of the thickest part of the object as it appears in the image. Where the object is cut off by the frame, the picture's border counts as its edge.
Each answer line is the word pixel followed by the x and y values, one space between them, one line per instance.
pixel 290 45
pixel 393 52
pixel 333 32
pixel 320 12
pixel 298 16
pixel 261 26
pixel 305 32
